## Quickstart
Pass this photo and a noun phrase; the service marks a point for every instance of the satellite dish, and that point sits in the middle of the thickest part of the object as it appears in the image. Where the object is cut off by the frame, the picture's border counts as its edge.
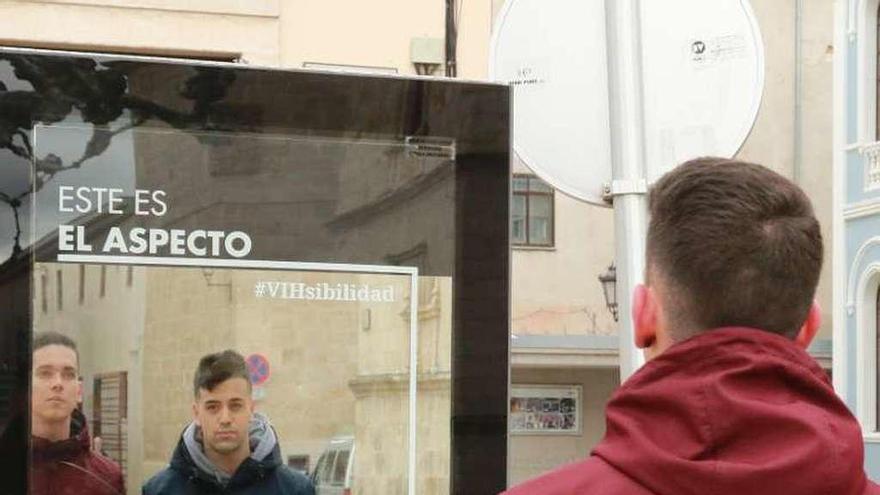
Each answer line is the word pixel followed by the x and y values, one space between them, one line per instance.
pixel 703 76
pixel 553 54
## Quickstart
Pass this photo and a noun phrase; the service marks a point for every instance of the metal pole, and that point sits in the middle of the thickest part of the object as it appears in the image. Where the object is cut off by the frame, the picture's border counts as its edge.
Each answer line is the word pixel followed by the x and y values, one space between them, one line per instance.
pixel 797 155
pixel 629 183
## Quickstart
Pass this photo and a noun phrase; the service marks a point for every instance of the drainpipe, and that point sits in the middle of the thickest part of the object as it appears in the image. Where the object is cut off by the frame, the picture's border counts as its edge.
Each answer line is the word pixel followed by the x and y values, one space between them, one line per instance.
pixel 451 39
pixel 798 91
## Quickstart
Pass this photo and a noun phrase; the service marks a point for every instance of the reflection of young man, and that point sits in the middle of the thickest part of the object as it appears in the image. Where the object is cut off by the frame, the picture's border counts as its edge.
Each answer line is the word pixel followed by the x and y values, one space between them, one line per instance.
pixel 730 402
pixel 228 448
pixel 63 458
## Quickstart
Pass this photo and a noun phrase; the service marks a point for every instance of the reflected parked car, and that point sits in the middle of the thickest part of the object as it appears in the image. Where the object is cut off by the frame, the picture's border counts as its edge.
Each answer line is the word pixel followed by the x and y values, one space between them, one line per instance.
pixel 333 472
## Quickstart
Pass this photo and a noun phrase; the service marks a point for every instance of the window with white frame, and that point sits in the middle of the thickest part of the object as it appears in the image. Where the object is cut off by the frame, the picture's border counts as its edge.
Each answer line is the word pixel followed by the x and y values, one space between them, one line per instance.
pixel 869 77
pixel 868 84
pixel 868 349
pixel 877 359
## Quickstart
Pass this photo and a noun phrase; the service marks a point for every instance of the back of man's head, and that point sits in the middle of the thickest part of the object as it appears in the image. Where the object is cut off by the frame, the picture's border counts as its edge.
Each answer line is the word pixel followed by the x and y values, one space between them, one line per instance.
pixel 735 244
pixel 218 367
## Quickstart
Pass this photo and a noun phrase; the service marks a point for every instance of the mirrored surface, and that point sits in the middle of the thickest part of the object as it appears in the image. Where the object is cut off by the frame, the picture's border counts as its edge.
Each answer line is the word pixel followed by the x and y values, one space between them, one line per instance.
pixel 158 183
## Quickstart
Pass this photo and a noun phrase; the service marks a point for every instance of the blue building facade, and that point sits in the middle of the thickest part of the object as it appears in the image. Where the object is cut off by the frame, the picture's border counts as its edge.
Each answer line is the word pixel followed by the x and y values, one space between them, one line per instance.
pixel 857 218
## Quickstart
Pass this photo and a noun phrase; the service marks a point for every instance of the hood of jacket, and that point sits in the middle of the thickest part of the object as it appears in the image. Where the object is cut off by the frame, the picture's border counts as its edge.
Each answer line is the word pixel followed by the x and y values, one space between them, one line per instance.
pixel 71 466
pixel 189 456
pixel 732 411
pixel 78 443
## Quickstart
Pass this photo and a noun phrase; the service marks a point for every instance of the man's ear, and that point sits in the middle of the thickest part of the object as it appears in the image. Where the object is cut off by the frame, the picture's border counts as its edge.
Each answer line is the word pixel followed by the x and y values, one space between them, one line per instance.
pixel 645 316
pixel 79 391
pixel 810 327
pixel 195 413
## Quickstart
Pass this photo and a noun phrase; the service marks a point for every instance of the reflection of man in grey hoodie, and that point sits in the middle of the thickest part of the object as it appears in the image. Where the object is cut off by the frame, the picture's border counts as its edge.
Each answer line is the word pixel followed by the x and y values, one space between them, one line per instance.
pixel 228 448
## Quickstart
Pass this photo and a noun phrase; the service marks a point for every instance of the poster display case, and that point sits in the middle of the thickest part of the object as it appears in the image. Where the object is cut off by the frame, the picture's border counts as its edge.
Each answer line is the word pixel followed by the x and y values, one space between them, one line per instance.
pixel 545 409
pixel 346 235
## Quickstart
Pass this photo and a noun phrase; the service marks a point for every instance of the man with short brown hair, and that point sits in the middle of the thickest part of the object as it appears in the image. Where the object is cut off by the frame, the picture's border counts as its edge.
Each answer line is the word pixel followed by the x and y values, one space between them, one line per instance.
pixel 228 448
pixel 63 460
pixel 729 402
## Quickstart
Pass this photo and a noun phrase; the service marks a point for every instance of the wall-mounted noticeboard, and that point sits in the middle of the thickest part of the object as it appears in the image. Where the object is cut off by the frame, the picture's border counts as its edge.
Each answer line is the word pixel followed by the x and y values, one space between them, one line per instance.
pixel 545 409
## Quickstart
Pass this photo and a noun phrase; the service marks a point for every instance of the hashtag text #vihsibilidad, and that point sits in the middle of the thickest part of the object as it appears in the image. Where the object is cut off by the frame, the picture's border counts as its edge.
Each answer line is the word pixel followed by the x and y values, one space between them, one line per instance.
pixel 325 292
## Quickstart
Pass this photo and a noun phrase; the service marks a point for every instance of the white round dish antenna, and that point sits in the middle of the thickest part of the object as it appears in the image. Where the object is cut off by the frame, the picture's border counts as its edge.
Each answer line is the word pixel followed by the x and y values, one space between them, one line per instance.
pixel 703 66
pixel 553 53
pixel 703 77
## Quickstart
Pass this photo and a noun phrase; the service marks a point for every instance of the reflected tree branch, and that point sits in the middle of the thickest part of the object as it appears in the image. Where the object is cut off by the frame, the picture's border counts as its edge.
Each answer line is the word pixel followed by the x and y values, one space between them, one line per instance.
pixel 98 93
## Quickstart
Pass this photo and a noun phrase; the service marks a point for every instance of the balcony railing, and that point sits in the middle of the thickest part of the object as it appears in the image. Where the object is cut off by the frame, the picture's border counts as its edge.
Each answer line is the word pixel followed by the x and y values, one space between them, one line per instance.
pixel 871 153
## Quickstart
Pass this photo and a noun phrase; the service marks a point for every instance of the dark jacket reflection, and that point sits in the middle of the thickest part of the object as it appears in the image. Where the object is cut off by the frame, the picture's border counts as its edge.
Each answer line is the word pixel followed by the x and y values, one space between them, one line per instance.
pixel 191 473
pixel 72 467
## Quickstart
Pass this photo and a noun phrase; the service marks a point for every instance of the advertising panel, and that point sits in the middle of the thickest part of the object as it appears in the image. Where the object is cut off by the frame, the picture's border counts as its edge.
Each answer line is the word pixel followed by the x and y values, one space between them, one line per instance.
pixel 305 268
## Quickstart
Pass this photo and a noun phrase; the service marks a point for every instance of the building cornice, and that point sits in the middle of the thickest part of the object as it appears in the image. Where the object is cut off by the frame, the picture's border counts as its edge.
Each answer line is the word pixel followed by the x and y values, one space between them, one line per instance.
pixel 862 209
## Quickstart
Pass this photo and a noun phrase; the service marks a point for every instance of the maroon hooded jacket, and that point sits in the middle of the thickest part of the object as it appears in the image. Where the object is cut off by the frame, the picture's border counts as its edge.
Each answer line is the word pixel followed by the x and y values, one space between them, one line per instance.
pixel 71 467
pixel 732 411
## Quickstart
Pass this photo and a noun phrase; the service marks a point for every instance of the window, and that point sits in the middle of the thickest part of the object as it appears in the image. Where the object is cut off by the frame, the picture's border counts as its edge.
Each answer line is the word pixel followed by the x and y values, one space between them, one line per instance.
pixel 60 289
pixel 110 415
pixel 532 212
pixel 299 463
pixel 82 284
pixel 867 373
pixel 44 281
pixel 326 470
pixel 340 468
pixel 872 153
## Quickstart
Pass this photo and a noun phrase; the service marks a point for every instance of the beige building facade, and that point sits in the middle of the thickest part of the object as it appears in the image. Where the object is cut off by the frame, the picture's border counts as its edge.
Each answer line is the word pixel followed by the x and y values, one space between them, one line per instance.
pixel 562 332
